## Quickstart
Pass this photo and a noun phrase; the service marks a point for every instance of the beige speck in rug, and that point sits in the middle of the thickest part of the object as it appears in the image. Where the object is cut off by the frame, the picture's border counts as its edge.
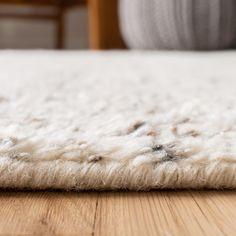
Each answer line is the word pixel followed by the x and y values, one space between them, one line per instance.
pixel 117 120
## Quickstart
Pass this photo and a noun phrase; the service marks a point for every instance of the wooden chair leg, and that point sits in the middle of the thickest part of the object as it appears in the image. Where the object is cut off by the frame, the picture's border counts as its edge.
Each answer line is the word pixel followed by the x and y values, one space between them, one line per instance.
pixel 104 24
pixel 60 28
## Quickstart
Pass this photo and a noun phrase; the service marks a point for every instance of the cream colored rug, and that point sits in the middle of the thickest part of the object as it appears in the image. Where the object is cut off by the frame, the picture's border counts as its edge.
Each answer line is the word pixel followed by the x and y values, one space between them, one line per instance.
pixel 117 120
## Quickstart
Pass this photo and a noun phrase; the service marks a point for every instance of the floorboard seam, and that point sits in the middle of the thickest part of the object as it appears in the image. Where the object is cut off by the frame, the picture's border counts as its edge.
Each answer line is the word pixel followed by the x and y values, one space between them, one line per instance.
pixel 95 216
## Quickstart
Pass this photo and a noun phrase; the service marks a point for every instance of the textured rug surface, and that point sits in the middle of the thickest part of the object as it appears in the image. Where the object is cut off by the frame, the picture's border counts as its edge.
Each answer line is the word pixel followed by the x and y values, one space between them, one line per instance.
pixel 117 120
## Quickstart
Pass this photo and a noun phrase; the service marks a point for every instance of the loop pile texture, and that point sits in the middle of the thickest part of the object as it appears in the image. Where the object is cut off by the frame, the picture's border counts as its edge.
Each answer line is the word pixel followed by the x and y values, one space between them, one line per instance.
pixel 117 120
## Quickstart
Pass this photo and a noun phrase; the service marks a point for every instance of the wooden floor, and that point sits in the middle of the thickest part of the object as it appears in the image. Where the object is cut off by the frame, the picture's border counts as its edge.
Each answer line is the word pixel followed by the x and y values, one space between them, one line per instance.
pixel 118 213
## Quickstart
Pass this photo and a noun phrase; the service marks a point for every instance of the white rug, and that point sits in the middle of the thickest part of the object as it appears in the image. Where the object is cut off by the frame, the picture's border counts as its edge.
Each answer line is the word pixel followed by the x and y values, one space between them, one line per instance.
pixel 117 120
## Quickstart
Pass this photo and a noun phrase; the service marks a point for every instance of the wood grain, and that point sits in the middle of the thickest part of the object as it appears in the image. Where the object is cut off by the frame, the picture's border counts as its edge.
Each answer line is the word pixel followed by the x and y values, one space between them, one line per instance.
pixel 47 213
pixel 118 213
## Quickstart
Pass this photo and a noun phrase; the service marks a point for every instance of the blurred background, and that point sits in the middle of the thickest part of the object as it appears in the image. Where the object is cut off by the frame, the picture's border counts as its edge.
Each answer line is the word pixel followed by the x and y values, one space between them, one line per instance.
pixel 59 24
pixel 20 30
pixel 108 24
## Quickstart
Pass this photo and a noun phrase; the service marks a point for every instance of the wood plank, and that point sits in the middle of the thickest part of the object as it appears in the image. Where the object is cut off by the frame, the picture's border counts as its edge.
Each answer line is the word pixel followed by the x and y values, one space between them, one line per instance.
pixel 118 213
pixel 47 213
pixel 166 213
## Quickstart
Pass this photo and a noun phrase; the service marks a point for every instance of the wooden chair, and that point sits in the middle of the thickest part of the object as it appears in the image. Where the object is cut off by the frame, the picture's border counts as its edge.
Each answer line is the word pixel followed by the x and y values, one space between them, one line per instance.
pixel 57 16
pixel 103 19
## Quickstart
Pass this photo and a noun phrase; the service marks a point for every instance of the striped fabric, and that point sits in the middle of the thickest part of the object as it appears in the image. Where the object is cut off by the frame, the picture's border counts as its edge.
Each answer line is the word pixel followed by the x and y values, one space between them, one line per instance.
pixel 179 24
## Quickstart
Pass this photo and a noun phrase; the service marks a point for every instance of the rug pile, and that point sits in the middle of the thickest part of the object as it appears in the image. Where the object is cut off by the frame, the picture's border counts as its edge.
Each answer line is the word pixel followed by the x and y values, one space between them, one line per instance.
pixel 117 120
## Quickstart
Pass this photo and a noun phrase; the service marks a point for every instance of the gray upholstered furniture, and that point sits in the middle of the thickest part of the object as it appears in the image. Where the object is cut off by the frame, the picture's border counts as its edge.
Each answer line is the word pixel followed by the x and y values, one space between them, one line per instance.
pixel 178 24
